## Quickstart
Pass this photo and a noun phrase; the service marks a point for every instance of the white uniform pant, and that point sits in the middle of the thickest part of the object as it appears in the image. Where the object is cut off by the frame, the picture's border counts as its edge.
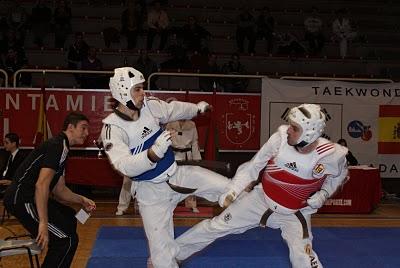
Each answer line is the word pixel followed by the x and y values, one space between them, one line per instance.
pixel 158 201
pixel 243 214
pixel 125 195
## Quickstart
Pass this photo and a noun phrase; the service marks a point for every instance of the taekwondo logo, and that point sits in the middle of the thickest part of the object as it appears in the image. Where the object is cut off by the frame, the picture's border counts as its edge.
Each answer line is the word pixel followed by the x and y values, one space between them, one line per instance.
pixel 146 132
pixel 239 122
pixel 227 217
pixel 292 166
pixel 318 171
pixel 357 129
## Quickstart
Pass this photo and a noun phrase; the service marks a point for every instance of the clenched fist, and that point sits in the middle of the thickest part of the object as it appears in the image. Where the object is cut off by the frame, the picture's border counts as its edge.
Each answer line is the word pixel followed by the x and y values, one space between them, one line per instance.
pixel 227 198
pixel 318 199
pixel 162 143
pixel 203 107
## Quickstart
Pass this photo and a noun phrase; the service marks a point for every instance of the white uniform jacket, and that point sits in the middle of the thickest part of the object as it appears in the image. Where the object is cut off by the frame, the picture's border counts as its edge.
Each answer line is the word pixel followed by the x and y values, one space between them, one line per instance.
pixel 290 177
pixel 126 142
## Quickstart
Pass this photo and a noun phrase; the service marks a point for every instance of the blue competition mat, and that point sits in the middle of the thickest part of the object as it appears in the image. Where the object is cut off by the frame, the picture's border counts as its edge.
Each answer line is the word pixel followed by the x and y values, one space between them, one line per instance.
pixel 336 247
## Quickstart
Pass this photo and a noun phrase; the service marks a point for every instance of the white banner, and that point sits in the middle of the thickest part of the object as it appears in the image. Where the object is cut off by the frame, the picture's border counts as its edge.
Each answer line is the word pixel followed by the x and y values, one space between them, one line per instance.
pixel 367 116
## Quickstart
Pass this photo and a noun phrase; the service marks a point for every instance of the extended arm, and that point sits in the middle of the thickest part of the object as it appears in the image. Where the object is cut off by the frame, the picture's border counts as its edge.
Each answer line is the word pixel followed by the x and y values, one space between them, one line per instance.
pixel 64 194
pixel 175 110
pixel 250 170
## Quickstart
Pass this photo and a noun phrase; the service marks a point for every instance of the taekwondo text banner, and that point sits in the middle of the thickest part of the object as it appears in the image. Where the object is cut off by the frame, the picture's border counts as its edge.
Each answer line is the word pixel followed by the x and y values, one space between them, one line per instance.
pixel 236 117
pixel 366 115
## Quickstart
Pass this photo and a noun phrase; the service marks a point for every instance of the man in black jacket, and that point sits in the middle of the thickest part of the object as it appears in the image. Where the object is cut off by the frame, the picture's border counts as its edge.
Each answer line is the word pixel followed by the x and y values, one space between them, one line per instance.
pixel 37 194
pixel 14 159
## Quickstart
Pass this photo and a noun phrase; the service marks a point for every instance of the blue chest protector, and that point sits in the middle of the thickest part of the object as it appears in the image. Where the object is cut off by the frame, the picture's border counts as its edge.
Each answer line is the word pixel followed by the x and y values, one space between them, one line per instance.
pixel 162 165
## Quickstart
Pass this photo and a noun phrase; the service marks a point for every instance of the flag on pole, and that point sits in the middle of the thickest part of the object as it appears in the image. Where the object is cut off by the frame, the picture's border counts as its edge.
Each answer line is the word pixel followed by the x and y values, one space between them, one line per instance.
pixel 43 131
pixel 211 146
pixel 389 129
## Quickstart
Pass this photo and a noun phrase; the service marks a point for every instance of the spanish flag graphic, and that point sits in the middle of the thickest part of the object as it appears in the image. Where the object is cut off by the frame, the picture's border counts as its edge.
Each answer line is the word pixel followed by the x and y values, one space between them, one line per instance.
pixel 389 129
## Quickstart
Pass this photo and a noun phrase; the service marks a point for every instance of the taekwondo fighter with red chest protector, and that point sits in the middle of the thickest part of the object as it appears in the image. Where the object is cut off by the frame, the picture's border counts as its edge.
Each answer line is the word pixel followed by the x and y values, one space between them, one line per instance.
pixel 139 148
pixel 302 170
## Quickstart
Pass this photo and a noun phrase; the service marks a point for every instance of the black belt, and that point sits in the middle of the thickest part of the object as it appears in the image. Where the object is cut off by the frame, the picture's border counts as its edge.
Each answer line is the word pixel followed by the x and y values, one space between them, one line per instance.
pixel 265 216
pixel 303 223
pixel 181 150
pixel 181 190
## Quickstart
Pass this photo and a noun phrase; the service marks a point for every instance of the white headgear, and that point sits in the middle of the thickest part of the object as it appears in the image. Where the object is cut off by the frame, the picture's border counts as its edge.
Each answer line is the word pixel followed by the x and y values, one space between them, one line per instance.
pixel 121 83
pixel 311 120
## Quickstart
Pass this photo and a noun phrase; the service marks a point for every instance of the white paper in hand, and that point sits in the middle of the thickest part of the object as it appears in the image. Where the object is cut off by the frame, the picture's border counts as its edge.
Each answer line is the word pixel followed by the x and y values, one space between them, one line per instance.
pixel 82 216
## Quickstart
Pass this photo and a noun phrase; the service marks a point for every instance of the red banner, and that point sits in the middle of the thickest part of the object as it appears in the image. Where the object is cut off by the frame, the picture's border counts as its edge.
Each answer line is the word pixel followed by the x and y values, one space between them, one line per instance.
pixel 237 117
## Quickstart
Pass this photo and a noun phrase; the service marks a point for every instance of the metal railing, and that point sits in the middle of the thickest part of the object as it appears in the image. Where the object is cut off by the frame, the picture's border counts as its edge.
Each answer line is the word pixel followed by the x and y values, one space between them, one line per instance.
pixel 5 77
pixel 311 78
pixel 44 71
pixel 65 71
pixel 201 75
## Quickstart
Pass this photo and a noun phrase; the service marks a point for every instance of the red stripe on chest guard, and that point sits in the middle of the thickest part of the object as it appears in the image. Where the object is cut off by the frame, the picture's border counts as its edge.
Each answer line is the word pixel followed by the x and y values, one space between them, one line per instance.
pixel 286 177
pixel 289 190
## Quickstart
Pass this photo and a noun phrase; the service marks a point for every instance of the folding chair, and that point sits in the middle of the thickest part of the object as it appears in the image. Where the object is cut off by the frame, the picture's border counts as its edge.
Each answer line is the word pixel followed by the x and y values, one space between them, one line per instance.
pixel 12 246
pixel 5 214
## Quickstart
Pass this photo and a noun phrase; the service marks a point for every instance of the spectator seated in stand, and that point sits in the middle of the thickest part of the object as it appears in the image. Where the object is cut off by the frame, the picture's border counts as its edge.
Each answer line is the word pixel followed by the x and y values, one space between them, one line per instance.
pixel 246 28
pixel 77 51
pixel 265 28
pixel 132 22
pixel 62 23
pixel 207 83
pixel 234 84
pixel 147 66
pixel 157 23
pixel 313 32
pixel 15 60
pixel 92 63
pixel 17 20
pixel 194 36
pixel 10 41
pixel 343 31
pixel 111 35
pixel 179 58
pixel 290 45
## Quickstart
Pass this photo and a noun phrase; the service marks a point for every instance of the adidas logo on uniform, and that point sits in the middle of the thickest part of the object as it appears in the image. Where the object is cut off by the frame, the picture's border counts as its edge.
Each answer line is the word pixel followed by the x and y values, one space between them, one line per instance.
pixel 292 166
pixel 146 131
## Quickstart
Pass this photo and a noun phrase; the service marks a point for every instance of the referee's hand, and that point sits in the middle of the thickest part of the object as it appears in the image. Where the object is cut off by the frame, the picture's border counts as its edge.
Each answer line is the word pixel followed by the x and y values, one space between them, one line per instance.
pixel 43 235
pixel 88 204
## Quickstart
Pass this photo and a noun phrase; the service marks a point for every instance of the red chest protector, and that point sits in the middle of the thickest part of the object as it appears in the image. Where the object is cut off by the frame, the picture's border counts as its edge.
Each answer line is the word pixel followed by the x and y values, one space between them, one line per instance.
pixel 287 189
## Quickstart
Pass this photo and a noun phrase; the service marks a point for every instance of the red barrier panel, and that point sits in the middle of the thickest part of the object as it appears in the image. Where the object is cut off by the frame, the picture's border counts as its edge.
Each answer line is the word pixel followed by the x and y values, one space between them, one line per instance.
pixel 237 116
pixel 361 193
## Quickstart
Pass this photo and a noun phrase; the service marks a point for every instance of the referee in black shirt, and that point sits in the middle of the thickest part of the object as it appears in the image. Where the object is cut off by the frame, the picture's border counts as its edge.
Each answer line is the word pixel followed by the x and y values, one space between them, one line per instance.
pixel 38 189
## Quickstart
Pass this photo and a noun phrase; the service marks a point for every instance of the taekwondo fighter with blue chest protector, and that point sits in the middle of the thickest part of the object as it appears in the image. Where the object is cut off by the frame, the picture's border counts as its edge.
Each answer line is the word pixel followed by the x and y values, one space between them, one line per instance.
pixel 139 148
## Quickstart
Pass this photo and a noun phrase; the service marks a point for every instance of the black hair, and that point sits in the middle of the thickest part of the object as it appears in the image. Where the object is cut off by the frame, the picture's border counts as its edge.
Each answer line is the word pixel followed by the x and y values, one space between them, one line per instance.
pixel 13 137
pixel 342 140
pixel 73 118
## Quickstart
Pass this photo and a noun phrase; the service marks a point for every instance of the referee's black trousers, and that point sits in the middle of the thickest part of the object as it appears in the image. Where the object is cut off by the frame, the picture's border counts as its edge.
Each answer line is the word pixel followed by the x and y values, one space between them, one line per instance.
pixel 63 239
